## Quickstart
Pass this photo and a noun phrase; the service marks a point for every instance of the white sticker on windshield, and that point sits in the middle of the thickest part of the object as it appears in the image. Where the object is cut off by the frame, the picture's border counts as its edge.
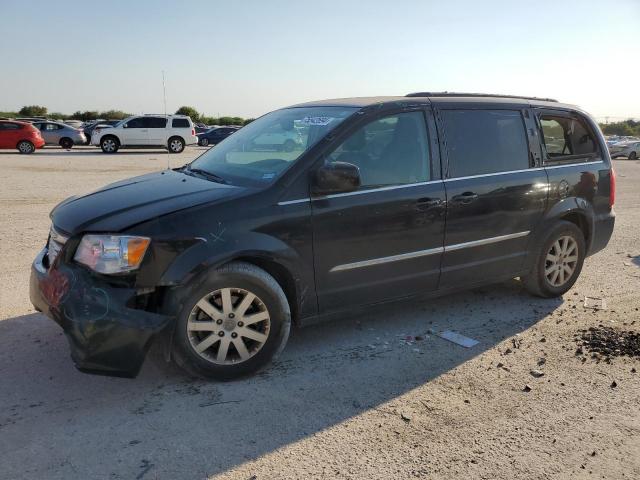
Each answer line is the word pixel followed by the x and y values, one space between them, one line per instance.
pixel 320 121
pixel 268 176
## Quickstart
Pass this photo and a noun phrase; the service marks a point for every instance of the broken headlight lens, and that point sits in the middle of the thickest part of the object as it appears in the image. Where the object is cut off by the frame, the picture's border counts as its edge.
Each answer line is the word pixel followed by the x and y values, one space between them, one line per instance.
pixel 111 253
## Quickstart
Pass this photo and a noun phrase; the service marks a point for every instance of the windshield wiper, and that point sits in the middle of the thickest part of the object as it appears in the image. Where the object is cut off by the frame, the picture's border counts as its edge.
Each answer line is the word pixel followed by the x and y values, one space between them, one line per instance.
pixel 206 174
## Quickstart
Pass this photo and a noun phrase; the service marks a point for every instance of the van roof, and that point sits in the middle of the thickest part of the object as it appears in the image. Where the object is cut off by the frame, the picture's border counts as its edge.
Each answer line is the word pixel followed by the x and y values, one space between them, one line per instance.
pixel 437 98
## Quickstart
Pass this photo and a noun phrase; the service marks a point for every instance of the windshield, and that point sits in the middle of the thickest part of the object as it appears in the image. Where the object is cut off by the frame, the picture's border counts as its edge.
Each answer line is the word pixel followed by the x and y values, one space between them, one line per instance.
pixel 259 152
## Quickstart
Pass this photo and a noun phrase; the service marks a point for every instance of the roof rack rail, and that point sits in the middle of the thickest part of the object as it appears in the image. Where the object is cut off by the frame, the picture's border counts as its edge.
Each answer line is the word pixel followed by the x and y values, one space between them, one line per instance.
pixel 456 94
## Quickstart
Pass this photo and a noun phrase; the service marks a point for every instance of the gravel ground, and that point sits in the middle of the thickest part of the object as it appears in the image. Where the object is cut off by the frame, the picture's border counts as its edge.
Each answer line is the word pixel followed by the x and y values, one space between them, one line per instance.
pixel 349 399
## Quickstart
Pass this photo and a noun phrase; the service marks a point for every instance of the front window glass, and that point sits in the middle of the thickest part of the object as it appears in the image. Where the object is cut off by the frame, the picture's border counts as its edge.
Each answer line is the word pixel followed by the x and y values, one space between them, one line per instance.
pixel 259 152
pixel 389 151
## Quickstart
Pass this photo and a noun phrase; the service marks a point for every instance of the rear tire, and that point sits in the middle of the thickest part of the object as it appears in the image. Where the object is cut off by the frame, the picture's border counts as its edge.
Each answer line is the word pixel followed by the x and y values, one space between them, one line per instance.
pixel 175 145
pixel 66 143
pixel 633 156
pixel 25 147
pixel 201 334
pixel 109 144
pixel 558 263
pixel 204 142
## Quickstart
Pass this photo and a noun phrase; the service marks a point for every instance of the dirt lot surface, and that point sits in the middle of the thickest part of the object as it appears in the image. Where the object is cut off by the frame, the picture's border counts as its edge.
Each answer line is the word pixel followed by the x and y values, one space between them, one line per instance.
pixel 361 397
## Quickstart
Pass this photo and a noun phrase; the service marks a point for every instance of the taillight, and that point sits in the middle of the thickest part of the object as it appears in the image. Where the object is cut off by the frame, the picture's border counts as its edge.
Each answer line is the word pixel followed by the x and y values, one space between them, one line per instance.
pixel 612 187
pixel 193 132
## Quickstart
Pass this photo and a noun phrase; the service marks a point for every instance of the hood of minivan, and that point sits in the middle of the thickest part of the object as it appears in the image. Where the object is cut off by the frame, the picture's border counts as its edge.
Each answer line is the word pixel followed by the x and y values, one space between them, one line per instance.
pixel 123 204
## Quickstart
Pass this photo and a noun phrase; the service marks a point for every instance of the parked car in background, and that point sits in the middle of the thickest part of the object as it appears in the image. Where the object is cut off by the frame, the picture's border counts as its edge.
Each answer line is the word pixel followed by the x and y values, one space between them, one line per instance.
pixel 31 119
pixel 219 258
pixel 201 128
pixel 90 127
pixel 214 136
pixel 173 132
pixel 627 148
pixel 20 135
pixel 58 133
pixel 74 123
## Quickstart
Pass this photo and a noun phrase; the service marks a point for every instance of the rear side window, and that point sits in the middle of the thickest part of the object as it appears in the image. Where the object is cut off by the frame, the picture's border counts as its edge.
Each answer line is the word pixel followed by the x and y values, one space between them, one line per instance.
pixel 10 126
pixel 392 150
pixel 155 122
pixel 180 123
pixel 566 136
pixel 485 141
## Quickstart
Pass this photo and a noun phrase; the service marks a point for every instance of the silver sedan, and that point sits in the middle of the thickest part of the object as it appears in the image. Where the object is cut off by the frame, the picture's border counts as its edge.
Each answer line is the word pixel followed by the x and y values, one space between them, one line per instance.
pixel 629 149
pixel 57 133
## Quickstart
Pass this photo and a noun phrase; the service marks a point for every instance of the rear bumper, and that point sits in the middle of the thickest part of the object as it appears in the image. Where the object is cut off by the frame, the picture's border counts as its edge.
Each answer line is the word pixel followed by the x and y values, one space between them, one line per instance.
pixel 39 143
pixel 192 140
pixel 602 231
pixel 105 335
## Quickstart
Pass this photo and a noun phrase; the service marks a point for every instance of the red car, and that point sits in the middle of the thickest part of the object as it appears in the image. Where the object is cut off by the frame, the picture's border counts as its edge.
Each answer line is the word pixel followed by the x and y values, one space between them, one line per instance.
pixel 23 136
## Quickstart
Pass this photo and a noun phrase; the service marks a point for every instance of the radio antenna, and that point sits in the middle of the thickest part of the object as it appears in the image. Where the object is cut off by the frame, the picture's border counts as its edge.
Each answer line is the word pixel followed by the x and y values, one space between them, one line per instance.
pixel 164 95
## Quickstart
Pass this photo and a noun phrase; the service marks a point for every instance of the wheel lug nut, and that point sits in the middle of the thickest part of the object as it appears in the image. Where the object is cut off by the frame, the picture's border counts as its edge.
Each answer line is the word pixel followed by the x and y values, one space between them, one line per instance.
pixel 234 335
pixel 219 321
pixel 240 324
pixel 221 334
pixel 231 315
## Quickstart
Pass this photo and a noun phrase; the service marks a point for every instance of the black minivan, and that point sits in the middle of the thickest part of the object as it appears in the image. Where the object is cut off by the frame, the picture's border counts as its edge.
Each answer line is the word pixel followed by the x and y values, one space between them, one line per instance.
pixel 380 199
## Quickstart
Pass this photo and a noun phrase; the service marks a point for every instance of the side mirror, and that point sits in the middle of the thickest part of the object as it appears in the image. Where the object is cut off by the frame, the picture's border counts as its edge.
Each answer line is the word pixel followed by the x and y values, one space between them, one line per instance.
pixel 336 177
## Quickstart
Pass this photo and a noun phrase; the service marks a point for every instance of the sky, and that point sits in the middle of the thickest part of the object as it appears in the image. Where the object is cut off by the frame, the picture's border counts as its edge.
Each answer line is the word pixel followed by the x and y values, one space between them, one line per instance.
pixel 246 58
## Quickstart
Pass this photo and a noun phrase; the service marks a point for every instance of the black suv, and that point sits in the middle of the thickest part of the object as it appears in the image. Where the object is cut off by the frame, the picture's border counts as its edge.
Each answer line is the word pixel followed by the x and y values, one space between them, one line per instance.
pixel 380 199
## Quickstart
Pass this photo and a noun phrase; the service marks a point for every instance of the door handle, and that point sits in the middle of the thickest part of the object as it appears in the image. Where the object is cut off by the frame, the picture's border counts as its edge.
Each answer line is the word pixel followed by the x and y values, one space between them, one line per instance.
pixel 465 198
pixel 426 203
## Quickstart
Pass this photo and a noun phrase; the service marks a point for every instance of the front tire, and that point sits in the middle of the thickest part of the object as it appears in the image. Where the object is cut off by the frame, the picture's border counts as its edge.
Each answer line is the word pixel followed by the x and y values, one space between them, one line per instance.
pixel 633 156
pixel 25 147
pixel 176 145
pixel 232 323
pixel 109 145
pixel 559 261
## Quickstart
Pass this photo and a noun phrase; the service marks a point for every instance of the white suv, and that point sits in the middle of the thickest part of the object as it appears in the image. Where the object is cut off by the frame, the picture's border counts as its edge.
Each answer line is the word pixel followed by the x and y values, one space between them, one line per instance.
pixel 173 132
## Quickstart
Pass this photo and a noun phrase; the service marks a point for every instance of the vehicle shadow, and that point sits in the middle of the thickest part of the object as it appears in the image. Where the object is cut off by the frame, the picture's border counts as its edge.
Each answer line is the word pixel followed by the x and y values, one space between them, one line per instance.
pixel 170 426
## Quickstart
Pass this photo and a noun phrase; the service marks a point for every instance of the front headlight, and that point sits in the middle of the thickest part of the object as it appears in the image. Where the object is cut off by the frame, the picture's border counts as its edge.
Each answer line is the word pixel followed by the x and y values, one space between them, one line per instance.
pixel 111 253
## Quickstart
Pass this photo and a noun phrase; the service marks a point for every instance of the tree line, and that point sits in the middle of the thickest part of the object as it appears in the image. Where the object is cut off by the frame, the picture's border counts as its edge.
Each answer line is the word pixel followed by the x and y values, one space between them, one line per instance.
pixel 627 128
pixel 40 111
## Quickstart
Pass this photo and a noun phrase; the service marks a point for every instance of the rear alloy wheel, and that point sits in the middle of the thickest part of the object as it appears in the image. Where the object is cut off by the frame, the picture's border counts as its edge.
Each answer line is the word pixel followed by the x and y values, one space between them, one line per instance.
pixel 109 145
pixel 234 322
pixel 176 145
pixel 204 142
pixel 26 147
pixel 559 261
pixel 66 143
pixel 633 156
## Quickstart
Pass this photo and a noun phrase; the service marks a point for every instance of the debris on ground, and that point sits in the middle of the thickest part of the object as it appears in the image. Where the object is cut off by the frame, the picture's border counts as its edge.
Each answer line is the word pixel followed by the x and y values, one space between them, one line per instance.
pixel 526 388
pixel 458 339
pixel 614 384
pixel 609 342
pixel 536 373
pixel 595 303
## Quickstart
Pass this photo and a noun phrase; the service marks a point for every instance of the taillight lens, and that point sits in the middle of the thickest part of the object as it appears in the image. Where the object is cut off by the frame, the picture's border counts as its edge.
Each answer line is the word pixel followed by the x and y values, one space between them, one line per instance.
pixel 193 132
pixel 612 187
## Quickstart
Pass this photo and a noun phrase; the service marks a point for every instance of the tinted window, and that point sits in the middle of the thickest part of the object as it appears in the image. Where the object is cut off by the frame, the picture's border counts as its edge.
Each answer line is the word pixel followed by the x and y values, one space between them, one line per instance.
pixel 155 122
pixel 136 123
pixel 180 123
pixel 485 141
pixel 566 136
pixel 52 126
pixel 9 126
pixel 390 151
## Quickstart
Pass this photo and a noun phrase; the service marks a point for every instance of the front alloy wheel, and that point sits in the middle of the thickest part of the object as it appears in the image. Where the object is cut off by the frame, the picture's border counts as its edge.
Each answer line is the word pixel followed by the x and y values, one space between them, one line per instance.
pixel 228 326
pixel 232 321
pixel 109 145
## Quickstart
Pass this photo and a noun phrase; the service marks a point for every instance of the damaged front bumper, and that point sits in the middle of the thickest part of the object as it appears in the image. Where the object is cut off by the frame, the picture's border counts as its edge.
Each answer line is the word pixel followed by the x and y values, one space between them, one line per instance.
pixel 106 334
